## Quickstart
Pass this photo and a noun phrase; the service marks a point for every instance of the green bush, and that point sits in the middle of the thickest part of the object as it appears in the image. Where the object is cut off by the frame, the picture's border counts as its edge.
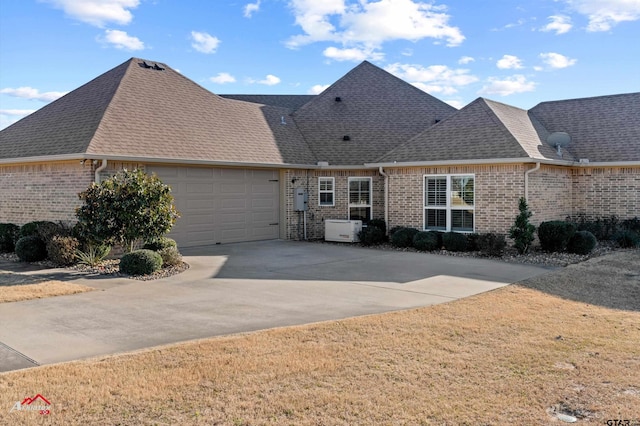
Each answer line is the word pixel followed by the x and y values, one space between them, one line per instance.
pixel 603 228
pixel 626 239
pixel 92 254
pixel 555 235
pixel 492 244
pixel 372 235
pixel 582 242
pixel 632 225
pixel 31 249
pixel 140 262
pixel 454 241
pixel 62 250
pixel 170 256
pixel 426 241
pixel 403 237
pixel 472 242
pixel 40 228
pixel 157 244
pixel 378 223
pixel 8 236
pixel 522 231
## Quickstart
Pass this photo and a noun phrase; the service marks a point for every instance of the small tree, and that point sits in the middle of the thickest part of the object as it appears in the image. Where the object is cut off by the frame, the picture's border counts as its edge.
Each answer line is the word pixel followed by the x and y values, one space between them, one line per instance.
pixel 127 207
pixel 522 231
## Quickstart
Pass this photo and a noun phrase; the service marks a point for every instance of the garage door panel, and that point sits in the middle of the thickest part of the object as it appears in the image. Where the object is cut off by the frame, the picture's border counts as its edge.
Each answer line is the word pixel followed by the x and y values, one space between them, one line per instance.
pixel 219 205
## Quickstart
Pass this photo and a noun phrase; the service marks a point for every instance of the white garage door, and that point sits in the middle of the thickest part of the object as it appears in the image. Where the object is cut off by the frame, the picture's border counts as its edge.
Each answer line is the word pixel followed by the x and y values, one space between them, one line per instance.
pixel 219 205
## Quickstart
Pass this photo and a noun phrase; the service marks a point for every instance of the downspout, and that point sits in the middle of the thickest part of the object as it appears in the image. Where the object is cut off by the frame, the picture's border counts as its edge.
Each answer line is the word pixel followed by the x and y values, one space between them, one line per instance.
pixel 99 169
pixel 526 180
pixel 386 198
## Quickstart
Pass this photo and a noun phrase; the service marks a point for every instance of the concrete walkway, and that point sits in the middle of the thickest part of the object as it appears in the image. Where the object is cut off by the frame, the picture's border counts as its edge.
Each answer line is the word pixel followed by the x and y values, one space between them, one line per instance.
pixel 237 288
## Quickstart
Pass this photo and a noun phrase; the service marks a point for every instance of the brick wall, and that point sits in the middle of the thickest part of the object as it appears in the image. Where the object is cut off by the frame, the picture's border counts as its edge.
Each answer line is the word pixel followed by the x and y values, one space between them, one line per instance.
pixel 316 215
pixel 606 191
pixel 42 191
pixel 551 194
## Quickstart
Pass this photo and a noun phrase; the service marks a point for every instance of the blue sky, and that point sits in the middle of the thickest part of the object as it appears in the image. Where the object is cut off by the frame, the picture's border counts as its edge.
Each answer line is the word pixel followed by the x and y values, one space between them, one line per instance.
pixel 519 53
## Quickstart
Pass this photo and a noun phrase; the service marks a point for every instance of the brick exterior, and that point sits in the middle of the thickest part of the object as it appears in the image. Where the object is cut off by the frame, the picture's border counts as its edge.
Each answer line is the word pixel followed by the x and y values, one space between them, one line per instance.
pixel 316 214
pixel 606 191
pixel 550 194
pixel 42 191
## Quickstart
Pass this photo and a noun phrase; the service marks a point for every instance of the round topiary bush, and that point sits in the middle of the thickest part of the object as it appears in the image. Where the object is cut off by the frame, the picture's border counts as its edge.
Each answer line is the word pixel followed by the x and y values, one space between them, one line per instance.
pixel 426 241
pixel 555 235
pixel 371 235
pixel 160 243
pixel 626 239
pixel 582 242
pixel 8 237
pixel 454 241
pixel 140 262
pixel 403 237
pixel 31 249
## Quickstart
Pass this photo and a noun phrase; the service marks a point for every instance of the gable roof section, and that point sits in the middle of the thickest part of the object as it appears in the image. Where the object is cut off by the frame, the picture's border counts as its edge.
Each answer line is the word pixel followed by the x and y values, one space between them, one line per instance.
pixel 602 129
pixel 377 110
pixel 148 113
pixel 476 132
pixel 291 102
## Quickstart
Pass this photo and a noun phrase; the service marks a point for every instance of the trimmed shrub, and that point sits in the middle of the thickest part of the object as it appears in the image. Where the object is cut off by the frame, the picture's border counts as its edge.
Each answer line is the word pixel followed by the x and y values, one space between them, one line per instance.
pixel 582 242
pixel 492 244
pixel 472 242
pixel 371 235
pixel 403 237
pixel 8 236
pixel 632 225
pixel 140 262
pixel 426 241
pixel 378 223
pixel 62 250
pixel 170 256
pixel 626 239
pixel 160 243
pixel 31 249
pixel 522 231
pixel 603 228
pixel 453 241
pixel 555 235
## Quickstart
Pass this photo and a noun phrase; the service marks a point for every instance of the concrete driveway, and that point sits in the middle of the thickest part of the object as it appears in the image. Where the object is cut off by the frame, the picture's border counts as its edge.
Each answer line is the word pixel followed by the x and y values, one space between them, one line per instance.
pixel 238 288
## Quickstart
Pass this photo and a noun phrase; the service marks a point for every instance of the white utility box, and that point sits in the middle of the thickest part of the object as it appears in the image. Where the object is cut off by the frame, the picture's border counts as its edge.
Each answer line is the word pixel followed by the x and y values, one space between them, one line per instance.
pixel 343 231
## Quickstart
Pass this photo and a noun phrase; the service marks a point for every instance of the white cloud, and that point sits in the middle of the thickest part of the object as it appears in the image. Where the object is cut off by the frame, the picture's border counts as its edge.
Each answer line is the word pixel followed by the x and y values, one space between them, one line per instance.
pixel 97 12
pixel 353 54
pixel 250 8
pixel 318 88
pixel 434 78
pixel 16 112
pixel 605 14
pixel 222 78
pixel 204 42
pixel 556 60
pixel 121 40
pixel 508 86
pixel 465 60
pixel 559 23
pixel 455 103
pixel 371 23
pixel 31 94
pixel 269 80
pixel 509 62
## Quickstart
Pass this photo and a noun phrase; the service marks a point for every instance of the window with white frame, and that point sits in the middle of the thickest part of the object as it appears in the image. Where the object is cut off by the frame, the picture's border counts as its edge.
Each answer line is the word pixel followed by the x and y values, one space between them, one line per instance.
pixel 326 191
pixel 449 203
pixel 360 198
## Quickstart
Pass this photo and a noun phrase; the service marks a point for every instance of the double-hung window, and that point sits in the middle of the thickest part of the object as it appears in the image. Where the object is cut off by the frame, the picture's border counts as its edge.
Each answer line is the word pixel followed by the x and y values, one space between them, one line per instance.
pixel 449 203
pixel 326 191
pixel 360 198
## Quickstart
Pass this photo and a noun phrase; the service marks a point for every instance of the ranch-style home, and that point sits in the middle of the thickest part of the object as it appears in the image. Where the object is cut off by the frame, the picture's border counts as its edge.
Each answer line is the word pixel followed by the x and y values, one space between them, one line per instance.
pixel 371 146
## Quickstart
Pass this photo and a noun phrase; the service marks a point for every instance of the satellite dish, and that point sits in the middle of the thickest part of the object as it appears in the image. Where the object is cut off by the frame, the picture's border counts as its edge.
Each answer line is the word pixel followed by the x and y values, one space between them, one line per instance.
pixel 559 140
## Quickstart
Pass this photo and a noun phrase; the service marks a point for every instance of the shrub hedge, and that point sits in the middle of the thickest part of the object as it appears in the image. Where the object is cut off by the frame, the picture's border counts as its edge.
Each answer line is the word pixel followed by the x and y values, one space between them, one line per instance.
pixel 582 242
pixel 8 236
pixel 426 241
pixel 31 249
pixel 555 235
pixel 160 243
pixel 453 241
pixel 140 262
pixel 492 244
pixel 403 237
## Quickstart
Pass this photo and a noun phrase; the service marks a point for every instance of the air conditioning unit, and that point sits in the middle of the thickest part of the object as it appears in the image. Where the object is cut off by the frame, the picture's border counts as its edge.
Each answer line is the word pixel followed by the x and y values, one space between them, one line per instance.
pixel 343 231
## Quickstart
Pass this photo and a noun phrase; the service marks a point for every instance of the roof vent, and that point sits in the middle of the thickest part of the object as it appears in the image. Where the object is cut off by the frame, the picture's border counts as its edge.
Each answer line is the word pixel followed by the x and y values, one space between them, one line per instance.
pixel 144 64
pixel 338 99
pixel 157 67
pixel 283 121
pixel 323 163
pixel 346 138
pixel 436 121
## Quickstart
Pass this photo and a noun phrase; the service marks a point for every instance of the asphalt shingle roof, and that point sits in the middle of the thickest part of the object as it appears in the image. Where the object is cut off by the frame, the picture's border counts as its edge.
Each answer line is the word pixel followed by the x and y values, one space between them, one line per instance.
pixel 377 110
pixel 291 102
pixel 602 129
pixel 135 111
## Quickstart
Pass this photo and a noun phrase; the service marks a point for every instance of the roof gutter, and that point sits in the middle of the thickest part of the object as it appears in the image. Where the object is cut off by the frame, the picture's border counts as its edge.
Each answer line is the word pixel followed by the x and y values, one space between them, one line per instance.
pixel 522 160
pixel 98 170
pixel 386 198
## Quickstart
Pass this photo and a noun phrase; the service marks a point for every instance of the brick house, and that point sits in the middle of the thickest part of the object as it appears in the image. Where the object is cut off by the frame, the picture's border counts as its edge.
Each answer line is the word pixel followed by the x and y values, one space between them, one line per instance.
pixel 369 146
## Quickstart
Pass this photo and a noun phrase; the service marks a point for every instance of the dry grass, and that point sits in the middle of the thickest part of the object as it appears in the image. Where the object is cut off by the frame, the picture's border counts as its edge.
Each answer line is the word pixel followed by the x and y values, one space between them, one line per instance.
pixel 38 290
pixel 504 357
